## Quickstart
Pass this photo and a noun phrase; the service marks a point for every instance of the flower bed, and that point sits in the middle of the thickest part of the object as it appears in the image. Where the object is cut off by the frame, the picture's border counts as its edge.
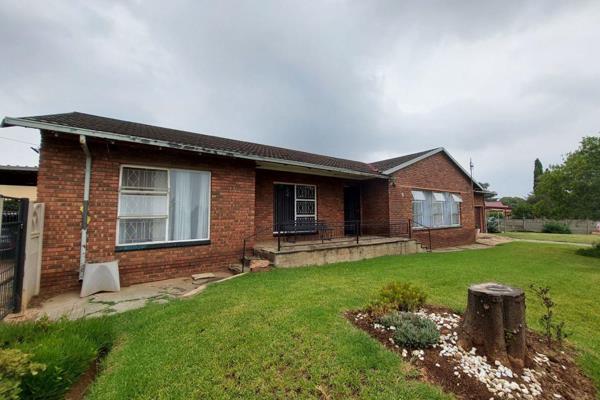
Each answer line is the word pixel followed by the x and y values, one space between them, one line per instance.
pixel 549 374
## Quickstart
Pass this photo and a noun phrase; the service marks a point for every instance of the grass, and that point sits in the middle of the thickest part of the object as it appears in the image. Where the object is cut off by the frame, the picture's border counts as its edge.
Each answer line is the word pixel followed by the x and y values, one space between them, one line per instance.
pixel 282 334
pixel 553 237
pixel 65 348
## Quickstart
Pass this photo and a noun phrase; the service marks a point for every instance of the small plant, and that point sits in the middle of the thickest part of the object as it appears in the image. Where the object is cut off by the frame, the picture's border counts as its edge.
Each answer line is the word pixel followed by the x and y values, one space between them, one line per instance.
pixel 411 330
pixel 593 251
pixel 14 366
pixel 559 333
pixel 400 296
pixel 556 227
pixel 551 329
pixel 493 225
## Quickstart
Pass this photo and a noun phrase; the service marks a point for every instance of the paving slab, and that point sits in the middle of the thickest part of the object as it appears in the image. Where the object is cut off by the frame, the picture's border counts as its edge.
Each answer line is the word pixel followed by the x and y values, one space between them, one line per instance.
pixel 71 306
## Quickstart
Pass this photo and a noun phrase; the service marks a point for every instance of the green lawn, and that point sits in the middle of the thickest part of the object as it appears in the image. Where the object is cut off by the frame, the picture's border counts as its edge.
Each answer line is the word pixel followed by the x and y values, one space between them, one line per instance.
pixel 553 237
pixel 281 334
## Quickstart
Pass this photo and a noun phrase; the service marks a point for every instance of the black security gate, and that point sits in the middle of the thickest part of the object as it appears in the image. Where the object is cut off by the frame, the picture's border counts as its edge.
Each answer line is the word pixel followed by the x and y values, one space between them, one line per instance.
pixel 12 253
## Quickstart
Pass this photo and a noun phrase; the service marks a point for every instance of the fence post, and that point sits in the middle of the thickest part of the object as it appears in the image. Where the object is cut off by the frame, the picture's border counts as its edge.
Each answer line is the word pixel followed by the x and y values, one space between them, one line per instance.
pixel 21 243
pixel 587 227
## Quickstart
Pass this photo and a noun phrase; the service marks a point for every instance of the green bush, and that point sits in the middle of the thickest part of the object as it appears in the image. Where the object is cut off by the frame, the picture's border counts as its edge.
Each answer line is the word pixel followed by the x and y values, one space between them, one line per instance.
pixel 555 227
pixel 15 366
pixel 412 331
pixel 66 348
pixel 593 251
pixel 401 296
pixel 493 225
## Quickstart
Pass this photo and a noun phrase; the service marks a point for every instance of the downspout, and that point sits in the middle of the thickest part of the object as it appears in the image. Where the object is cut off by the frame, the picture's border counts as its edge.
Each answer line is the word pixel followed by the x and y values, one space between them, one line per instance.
pixel 86 201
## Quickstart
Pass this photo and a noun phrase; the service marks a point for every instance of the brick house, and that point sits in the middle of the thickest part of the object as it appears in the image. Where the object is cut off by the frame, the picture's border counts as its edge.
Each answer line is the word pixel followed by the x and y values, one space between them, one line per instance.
pixel 168 203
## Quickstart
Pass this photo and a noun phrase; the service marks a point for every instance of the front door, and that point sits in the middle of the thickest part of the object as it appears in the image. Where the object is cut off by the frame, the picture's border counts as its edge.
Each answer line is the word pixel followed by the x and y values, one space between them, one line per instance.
pixel 351 209
pixel 283 208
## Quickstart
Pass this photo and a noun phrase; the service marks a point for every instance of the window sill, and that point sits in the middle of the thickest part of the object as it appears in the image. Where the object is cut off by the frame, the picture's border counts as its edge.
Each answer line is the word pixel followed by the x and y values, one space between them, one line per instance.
pixel 163 245
pixel 438 228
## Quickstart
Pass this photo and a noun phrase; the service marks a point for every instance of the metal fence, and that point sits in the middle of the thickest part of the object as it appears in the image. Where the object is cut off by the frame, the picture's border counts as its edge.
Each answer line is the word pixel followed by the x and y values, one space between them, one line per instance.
pixel 12 252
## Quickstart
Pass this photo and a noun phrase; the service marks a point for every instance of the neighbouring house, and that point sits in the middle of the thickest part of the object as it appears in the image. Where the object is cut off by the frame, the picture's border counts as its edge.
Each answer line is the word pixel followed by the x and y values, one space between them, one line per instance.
pixel 167 203
pixel 18 181
pixel 497 207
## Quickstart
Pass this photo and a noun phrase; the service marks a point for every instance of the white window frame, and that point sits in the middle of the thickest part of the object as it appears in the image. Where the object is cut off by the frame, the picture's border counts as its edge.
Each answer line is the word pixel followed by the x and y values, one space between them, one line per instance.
pixel 421 204
pixel 442 205
pixel 296 200
pixel 168 193
pixel 431 198
pixel 458 209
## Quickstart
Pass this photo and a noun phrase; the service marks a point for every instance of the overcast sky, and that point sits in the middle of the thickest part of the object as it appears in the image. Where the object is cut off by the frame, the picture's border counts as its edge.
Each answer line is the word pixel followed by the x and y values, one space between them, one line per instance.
pixel 500 82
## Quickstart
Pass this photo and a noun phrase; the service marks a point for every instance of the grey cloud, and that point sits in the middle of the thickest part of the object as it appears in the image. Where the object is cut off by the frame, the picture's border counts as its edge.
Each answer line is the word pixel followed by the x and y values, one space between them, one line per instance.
pixel 353 79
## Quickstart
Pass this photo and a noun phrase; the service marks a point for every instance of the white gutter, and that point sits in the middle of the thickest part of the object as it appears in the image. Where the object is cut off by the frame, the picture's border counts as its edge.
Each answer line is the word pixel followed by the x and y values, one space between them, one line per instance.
pixel 86 202
pixel 24 122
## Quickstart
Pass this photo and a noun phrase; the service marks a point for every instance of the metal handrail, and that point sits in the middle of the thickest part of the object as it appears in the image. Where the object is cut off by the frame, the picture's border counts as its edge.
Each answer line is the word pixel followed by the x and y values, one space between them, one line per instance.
pixel 424 228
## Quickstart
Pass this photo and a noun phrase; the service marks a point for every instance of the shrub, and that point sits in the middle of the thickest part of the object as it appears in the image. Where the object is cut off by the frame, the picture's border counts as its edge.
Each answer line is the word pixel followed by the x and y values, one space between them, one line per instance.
pixel 493 225
pixel 412 331
pixel 555 227
pixel 14 367
pixel 400 296
pixel 593 251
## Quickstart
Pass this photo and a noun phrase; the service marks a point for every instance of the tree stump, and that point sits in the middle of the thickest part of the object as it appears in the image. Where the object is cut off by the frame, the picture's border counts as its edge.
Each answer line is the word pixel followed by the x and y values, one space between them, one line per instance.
pixel 494 323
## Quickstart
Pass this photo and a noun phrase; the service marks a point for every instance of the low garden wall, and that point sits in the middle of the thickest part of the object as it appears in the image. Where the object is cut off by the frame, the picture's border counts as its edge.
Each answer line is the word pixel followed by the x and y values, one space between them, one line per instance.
pixel 579 226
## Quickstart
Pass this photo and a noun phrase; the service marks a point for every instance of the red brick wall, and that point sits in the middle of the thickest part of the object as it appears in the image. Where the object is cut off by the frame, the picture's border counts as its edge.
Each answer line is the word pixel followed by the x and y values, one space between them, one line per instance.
pixel 330 198
pixel 60 187
pixel 437 173
pixel 375 200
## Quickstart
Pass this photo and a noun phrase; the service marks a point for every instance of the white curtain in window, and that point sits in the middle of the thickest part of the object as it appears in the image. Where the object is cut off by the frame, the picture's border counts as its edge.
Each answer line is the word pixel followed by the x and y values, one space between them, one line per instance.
pixel 189 205
pixel 436 209
pixel 143 205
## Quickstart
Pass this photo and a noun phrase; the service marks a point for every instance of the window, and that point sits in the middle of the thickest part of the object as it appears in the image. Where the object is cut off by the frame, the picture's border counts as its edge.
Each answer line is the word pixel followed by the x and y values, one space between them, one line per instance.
pixel 163 205
pixel 435 209
pixel 294 205
pixel 418 207
pixel 455 209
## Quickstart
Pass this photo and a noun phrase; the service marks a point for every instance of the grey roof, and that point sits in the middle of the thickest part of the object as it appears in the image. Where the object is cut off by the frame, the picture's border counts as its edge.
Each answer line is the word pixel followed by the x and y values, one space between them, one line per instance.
pixel 103 124
pixel 389 163
pixel 115 129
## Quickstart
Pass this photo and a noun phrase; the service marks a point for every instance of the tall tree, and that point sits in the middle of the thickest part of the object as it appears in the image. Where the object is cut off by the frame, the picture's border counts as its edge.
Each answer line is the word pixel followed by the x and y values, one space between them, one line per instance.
pixel 538 170
pixel 572 189
pixel 489 194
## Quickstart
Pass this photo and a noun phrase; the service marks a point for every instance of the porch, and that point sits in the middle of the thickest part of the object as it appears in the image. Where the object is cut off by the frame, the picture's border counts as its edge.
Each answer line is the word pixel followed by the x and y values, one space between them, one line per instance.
pixel 318 242
pixel 316 252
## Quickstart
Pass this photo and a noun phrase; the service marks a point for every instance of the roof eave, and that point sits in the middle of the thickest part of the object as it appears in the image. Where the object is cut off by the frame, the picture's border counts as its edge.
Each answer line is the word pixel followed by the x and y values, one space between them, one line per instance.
pixel 426 155
pixel 398 167
pixel 26 123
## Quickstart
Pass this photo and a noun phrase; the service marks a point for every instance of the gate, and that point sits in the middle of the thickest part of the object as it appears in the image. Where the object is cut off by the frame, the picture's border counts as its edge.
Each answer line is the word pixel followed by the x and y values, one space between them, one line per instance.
pixel 13 228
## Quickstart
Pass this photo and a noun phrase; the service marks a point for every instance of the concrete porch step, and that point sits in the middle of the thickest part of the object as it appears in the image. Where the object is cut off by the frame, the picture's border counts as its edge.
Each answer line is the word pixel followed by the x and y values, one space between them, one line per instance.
pixel 255 264
pixel 340 251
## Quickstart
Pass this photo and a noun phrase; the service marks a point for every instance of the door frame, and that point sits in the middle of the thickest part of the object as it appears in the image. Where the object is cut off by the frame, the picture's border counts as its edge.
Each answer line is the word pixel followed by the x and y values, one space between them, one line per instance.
pixel 275 183
pixel 348 229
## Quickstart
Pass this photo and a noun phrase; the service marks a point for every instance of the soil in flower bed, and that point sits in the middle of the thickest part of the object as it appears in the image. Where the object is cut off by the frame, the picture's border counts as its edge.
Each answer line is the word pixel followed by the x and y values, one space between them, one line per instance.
pixel 551 374
pixel 81 387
